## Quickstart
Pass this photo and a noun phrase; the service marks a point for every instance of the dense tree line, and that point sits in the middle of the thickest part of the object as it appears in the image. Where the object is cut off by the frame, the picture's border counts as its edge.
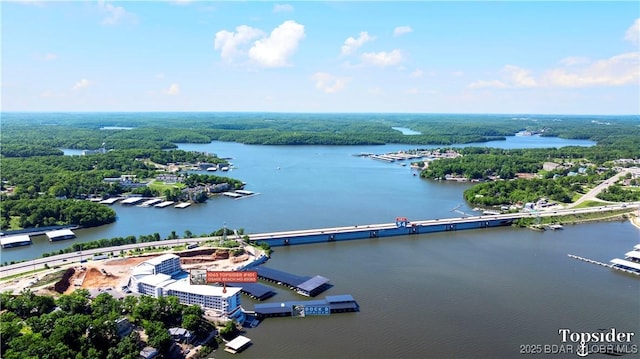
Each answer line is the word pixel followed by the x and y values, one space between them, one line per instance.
pixel 163 130
pixel 562 189
pixel 617 193
pixel 76 326
pixel 43 212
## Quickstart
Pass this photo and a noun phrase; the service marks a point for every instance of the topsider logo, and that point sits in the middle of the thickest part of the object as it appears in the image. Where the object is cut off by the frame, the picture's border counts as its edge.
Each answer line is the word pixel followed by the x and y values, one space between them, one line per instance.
pixel 609 341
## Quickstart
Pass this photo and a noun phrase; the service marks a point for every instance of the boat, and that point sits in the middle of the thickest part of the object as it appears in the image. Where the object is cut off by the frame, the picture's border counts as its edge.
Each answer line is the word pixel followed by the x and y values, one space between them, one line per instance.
pixel 211 169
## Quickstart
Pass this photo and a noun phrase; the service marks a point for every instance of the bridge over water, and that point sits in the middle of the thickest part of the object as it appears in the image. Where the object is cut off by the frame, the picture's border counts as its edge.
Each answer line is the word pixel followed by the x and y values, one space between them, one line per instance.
pixel 325 234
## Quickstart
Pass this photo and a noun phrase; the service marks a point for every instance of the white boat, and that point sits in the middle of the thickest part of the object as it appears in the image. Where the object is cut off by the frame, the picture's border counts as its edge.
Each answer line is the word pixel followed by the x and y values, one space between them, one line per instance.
pixel 211 169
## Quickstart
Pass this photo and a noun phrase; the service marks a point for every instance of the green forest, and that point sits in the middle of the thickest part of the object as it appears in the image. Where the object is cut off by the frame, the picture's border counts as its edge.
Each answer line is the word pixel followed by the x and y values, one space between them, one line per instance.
pixel 76 326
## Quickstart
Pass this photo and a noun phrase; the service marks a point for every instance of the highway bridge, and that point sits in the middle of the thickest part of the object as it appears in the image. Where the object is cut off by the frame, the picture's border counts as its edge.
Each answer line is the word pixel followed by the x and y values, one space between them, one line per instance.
pixel 324 234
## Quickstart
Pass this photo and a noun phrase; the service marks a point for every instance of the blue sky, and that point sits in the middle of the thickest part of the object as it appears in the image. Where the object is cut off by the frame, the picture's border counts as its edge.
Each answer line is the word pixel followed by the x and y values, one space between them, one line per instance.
pixel 304 56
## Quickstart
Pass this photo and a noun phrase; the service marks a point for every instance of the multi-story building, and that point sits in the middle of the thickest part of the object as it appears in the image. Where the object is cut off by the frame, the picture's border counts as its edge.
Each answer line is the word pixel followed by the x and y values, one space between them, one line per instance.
pixel 163 276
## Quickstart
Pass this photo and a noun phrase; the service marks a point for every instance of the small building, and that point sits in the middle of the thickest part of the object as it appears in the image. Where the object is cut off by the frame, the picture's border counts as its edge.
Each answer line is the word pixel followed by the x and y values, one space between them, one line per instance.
pixel 180 335
pixel 237 345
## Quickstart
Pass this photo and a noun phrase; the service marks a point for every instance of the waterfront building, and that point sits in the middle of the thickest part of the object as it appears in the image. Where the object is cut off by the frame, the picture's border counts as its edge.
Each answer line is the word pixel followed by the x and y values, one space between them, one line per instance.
pixel 163 276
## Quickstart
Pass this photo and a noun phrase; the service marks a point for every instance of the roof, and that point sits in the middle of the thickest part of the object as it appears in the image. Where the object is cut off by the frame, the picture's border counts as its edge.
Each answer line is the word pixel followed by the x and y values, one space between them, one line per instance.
pixel 143 268
pixel 633 254
pixel 60 233
pixel 313 283
pixel 162 258
pixel 622 262
pixel 280 276
pixel 156 280
pixel 284 307
pixel 15 239
pixel 340 298
pixel 260 291
pixel 238 342
pixel 184 286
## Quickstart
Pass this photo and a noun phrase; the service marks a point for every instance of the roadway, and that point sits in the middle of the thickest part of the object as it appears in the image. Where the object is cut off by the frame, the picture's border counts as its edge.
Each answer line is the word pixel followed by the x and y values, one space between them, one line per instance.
pixel 61 259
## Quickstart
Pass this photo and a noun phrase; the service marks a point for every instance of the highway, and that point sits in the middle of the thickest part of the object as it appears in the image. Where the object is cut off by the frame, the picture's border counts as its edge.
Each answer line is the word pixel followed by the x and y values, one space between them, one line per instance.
pixel 81 256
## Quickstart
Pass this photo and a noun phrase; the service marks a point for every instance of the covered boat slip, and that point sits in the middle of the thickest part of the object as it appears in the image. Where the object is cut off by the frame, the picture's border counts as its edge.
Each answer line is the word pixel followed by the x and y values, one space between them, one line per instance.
pixel 309 286
pixel 335 303
pixel 238 344
pixel 15 241
pixel 60 235
pixel 254 290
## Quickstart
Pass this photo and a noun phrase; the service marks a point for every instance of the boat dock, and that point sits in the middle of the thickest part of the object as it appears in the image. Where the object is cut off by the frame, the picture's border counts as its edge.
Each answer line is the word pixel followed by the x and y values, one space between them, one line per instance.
pixel 329 305
pixel 182 205
pixel 110 200
pixel 163 204
pixel 237 194
pixel 622 265
pixel 131 200
pixel 256 291
pixel 150 202
pixel 307 286
pixel 15 241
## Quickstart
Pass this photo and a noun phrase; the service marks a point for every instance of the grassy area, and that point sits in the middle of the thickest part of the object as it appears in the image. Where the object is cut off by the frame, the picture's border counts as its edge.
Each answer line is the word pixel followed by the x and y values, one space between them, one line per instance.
pixel 574 218
pixel 161 186
pixel 587 204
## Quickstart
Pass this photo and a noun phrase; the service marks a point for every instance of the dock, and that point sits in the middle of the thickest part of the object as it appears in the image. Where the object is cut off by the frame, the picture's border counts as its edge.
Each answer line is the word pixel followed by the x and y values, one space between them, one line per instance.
pixel 237 345
pixel 131 200
pixel 15 241
pixel 60 234
pixel 307 286
pixel 182 205
pixel 164 204
pixel 110 200
pixel 149 203
pixel 622 265
pixel 330 304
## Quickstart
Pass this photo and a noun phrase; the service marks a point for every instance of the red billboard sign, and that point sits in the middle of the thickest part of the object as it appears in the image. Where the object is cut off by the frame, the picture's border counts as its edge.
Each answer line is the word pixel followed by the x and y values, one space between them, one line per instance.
pixel 232 277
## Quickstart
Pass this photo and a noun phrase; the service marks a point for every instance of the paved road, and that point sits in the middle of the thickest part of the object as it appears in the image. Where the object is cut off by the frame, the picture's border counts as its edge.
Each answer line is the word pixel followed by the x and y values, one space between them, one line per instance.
pixel 591 195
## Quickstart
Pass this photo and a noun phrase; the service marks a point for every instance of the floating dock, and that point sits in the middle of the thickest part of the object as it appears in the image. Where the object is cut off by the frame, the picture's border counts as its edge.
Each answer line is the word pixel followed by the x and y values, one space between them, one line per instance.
pixel 331 304
pixel 237 345
pixel 307 286
pixel 149 203
pixel 164 204
pixel 254 290
pixel 15 241
pixel 182 205
pixel 131 200
pixel 110 200
pixel 60 235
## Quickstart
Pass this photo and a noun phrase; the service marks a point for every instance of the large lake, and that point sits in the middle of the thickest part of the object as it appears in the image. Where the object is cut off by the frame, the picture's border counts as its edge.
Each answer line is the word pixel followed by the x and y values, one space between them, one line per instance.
pixel 479 293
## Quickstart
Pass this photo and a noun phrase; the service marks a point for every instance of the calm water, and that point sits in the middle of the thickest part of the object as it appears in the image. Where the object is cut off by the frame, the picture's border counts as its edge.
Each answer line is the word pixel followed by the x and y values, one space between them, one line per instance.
pixel 479 293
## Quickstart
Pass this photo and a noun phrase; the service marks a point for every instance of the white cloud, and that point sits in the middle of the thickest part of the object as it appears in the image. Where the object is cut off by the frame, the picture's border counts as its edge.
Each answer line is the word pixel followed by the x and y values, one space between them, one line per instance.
pixel 50 57
pixel 115 14
pixel 633 32
pixel 518 77
pixel 329 83
pixel 173 90
pixel 618 70
pixel 401 30
pixel 417 73
pixel 574 60
pixel 81 84
pixel 375 91
pixel 351 44
pixel 282 8
pixel 383 58
pixel 511 77
pixel 274 51
pixel 229 42
pixel 412 91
